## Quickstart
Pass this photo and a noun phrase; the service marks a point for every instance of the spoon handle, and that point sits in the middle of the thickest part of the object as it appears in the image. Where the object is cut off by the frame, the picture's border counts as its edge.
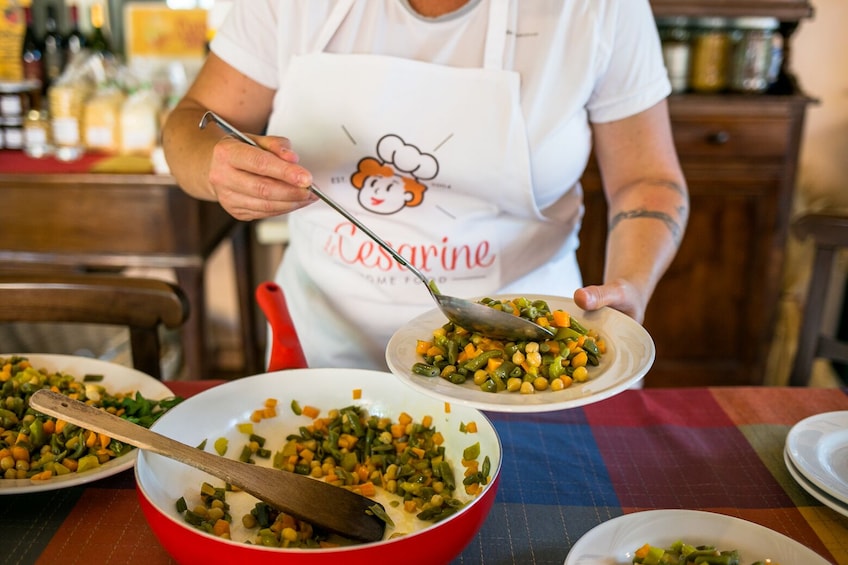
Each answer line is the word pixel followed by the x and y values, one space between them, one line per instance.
pixel 226 126
pixel 97 420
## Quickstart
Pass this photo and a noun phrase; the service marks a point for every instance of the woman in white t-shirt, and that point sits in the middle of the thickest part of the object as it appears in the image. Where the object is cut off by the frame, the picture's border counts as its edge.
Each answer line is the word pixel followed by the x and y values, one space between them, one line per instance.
pixel 457 130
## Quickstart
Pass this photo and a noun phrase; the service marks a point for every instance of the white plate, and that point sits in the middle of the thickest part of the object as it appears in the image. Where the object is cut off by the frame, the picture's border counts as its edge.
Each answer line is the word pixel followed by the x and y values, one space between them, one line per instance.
pixel 615 541
pixel 630 353
pixel 818 446
pixel 116 378
pixel 812 489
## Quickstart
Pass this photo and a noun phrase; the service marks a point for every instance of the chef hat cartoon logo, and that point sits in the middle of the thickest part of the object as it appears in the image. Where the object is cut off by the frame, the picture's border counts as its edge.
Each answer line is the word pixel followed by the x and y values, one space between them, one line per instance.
pixel 392 181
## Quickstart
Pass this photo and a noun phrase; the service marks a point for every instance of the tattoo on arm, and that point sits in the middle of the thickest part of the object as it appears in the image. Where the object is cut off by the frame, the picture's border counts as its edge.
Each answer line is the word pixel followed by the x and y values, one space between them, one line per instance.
pixel 672 225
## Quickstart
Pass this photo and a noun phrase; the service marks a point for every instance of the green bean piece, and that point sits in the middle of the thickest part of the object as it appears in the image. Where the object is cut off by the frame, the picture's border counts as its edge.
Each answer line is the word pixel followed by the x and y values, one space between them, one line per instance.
pixel 471 452
pixel 426 370
pixel 478 362
pixel 295 407
pixel 578 327
pixel 453 351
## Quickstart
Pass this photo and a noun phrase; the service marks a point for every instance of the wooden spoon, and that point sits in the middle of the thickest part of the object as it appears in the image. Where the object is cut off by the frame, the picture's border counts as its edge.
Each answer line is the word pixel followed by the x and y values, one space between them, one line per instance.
pixel 321 504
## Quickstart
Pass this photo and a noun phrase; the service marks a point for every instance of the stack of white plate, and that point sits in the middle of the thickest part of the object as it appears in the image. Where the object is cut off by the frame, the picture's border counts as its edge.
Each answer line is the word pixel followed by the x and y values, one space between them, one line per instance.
pixel 816 455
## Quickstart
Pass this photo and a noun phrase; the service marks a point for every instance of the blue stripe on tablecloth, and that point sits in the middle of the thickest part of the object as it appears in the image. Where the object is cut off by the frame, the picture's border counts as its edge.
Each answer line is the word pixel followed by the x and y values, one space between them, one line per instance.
pixel 29 521
pixel 533 534
pixel 571 471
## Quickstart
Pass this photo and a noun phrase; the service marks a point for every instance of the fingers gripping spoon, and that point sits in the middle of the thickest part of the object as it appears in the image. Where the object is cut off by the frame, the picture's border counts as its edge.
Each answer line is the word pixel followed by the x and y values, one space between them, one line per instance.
pixel 465 313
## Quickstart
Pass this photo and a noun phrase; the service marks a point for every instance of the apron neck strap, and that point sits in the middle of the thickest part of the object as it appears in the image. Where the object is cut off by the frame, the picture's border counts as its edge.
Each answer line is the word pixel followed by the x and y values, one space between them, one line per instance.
pixel 493 57
pixel 496 31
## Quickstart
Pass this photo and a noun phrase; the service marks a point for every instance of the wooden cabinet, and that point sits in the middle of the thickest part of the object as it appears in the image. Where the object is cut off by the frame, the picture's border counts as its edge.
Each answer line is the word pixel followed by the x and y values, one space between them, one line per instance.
pixel 712 316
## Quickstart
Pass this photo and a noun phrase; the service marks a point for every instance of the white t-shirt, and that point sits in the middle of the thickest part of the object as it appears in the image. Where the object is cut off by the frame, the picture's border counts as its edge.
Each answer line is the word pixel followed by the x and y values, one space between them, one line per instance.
pixel 579 60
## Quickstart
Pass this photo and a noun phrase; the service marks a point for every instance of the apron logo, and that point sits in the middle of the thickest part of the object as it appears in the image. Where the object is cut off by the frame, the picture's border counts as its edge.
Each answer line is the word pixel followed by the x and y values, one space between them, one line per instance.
pixel 392 181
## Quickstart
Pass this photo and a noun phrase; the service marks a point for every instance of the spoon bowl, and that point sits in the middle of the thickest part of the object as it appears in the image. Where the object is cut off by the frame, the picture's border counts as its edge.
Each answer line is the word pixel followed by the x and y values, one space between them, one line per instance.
pixel 465 313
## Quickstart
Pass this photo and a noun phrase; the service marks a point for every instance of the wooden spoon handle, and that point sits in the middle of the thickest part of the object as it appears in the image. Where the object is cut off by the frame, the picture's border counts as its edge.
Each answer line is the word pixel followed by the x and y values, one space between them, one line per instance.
pixel 97 420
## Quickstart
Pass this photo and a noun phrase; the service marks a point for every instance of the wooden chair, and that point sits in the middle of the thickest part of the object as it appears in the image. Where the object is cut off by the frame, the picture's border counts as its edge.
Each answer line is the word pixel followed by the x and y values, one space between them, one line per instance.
pixel 141 305
pixel 829 234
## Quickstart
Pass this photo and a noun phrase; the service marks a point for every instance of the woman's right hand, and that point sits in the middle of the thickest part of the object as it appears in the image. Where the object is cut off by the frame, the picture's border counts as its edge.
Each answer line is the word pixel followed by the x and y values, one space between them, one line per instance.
pixel 252 183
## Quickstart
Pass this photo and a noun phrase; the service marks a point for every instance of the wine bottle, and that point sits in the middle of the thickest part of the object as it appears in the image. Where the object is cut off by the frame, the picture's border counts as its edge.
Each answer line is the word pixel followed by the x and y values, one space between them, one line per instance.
pixel 74 40
pixel 54 53
pixel 32 53
pixel 98 43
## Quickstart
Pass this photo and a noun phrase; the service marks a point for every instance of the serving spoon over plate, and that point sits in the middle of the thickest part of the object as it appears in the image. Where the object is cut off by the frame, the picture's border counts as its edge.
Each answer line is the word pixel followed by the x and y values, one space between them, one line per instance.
pixel 465 313
pixel 321 504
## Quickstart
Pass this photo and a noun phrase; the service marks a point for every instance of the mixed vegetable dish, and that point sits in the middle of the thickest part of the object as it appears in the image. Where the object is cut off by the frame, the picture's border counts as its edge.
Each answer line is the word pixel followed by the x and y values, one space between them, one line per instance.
pixel 400 461
pixel 680 553
pixel 459 355
pixel 39 447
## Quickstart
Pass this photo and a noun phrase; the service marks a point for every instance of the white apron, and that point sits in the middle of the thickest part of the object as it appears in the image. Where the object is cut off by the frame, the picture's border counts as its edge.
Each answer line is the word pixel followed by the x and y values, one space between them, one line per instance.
pixel 435 160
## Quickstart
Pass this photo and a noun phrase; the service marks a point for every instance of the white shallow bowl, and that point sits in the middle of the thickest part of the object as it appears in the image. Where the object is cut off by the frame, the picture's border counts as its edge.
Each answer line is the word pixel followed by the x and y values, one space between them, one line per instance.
pixel 614 541
pixel 216 412
pixel 630 353
pixel 116 379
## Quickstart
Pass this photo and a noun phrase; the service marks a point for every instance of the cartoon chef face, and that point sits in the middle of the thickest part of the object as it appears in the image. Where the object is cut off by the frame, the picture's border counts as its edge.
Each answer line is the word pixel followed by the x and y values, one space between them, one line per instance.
pixel 389 184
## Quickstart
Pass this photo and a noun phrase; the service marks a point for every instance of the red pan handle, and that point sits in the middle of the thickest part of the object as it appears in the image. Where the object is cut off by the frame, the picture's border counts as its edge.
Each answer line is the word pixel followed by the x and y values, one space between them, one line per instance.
pixel 286 352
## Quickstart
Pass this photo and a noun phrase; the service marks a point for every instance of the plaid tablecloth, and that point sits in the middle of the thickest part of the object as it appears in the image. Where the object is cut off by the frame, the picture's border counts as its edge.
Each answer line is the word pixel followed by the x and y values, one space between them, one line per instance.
pixel 717 449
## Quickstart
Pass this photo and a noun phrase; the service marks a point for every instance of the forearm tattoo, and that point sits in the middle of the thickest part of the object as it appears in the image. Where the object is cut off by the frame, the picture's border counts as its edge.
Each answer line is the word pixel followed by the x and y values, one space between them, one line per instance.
pixel 674 226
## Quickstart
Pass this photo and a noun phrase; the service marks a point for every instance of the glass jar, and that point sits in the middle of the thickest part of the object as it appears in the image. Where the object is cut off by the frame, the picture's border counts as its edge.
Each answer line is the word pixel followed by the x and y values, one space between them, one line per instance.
pixel 753 46
pixel 676 37
pixel 710 55
pixel 67 102
pixel 37 134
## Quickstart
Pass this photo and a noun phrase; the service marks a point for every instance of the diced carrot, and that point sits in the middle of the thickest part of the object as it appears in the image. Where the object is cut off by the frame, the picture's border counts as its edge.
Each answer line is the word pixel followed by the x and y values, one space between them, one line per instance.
pixel 471 427
pixel 104 440
pixel 367 489
pixel 60 425
pixel 438 438
pixel 420 453
pixel 221 527
pixel 270 403
pixel 398 430
pixel 49 426
pixel 256 416
pixel 427 421
pixel 404 418
pixel 357 393
pixel 42 476
pixel 20 453
pixel 642 552
pixel 90 438
pixel 493 363
pixel 447 408
pixel 70 463
pixel 311 412
pixel 269 412
pixel 562 319
pixel 421 347
pixel 409 505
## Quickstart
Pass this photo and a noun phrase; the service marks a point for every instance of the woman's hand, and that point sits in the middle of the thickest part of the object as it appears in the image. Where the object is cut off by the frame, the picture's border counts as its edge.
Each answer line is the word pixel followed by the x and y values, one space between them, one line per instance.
pixel 620 295
pixel 252 183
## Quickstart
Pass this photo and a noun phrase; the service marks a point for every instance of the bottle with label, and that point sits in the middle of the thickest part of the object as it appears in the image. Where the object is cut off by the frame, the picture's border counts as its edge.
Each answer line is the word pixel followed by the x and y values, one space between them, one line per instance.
pixel 54 50
pixel 12 30
pixel 31 54
pixel 74 39
pixel 97 41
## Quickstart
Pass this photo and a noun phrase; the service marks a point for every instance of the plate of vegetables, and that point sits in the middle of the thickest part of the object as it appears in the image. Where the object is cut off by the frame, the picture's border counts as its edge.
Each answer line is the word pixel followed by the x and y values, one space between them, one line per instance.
pixel 40 453
pixel 591 356
pixel 659 537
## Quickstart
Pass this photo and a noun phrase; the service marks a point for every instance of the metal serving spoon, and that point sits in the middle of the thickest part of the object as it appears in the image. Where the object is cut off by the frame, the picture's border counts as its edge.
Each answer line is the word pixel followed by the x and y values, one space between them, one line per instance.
pixel 321 504
pixel 465 313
